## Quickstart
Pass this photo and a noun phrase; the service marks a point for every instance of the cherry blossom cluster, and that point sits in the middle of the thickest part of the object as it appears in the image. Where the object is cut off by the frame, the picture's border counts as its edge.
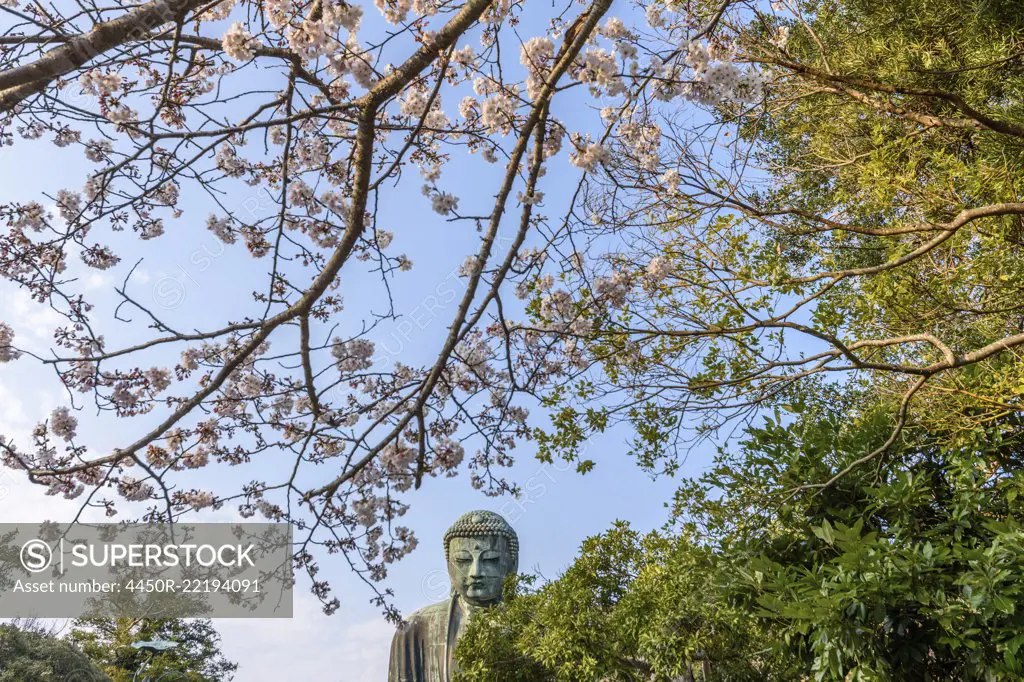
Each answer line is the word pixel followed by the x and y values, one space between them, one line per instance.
pixel 239 43
pixel 718 79
pixel 354 355
pixel 100 84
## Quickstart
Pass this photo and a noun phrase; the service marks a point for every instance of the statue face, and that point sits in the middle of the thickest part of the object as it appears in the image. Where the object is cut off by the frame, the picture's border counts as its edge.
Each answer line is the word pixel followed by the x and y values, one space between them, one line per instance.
pixel 478 566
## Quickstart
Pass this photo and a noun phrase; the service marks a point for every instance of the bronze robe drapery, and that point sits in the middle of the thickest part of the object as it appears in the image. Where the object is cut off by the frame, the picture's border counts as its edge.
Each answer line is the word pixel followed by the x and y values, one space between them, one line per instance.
pixel 423 650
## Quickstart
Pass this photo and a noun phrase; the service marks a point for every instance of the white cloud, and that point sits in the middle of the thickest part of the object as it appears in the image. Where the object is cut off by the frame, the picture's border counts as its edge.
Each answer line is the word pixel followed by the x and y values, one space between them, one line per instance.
pixel 33 323
pixel 309 646
pixel 141 276
pixel 96 281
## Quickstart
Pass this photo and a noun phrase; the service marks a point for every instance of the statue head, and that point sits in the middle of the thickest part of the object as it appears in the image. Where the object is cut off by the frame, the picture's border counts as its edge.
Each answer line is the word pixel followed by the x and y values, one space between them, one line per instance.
pixel 482 549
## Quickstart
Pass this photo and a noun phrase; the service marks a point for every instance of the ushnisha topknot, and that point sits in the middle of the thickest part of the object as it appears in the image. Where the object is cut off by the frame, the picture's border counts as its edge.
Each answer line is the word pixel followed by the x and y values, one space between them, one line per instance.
pixel 480 523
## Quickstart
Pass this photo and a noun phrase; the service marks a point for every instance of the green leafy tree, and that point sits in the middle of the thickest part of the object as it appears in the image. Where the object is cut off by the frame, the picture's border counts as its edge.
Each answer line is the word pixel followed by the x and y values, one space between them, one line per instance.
pixel 864 222
pixel 911 568
pixel 196 658
pixel 31 654
pixel 631 607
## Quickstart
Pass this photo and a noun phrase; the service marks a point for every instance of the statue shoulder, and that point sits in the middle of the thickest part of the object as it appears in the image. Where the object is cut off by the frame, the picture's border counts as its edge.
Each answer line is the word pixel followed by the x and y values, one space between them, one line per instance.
pixel 435 613
pixel 418 648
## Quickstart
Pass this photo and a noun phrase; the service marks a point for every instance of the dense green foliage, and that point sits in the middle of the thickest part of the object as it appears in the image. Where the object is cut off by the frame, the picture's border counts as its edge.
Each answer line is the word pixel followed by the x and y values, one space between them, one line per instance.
pixel 31 655
pixel 910 568
pixel 196 658
pixel 631 606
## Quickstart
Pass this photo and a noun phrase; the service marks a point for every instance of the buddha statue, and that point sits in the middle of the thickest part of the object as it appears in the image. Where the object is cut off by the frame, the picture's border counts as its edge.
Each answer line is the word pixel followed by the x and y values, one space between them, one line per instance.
pixel 482 549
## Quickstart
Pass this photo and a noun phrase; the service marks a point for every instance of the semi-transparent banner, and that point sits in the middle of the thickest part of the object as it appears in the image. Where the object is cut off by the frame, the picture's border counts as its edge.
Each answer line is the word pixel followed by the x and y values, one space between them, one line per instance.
pixel 201 570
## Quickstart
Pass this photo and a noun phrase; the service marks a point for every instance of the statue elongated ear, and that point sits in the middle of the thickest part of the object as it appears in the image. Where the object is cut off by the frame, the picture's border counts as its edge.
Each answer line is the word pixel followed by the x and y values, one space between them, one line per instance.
pixel 511 558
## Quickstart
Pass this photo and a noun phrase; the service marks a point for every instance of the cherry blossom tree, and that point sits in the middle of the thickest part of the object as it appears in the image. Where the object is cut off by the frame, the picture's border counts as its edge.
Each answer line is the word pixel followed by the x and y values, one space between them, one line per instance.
pixel 857 222
pixel 329 108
